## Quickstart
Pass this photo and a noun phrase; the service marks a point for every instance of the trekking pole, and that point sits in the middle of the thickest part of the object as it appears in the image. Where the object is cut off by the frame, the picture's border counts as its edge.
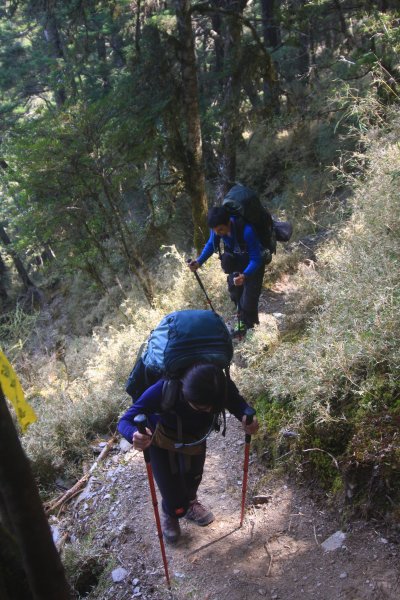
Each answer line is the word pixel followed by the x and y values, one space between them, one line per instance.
pixel 141 424
pixel 201 285
pixel 236 274
pixel 249 412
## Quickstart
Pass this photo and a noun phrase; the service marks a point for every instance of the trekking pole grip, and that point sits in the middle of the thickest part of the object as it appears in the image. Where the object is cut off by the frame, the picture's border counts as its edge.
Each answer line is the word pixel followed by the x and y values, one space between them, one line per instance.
pixel 141 424
pixel 249 413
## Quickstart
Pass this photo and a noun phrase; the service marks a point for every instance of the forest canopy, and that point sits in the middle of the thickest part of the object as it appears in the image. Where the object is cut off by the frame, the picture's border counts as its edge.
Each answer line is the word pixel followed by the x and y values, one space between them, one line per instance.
pixel 115 113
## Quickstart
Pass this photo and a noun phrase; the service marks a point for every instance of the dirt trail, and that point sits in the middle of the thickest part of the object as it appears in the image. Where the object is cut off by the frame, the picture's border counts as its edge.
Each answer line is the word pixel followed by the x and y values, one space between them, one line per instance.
pixel 277 554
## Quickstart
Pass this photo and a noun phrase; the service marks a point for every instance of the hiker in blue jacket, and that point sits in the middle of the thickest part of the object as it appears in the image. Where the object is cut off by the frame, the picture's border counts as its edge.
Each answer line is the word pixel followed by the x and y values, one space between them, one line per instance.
pixel 185 421
pixel 243 254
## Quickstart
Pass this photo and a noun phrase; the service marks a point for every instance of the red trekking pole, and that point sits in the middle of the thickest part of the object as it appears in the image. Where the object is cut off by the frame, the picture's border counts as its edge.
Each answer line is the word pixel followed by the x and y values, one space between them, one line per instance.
pixel 141 424
pixel 249 412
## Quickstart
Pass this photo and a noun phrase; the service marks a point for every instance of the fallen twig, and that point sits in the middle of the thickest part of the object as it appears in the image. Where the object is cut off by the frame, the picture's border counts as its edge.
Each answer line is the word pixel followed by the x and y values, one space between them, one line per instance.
pixel 270 558
pixel 315 536
pixel 50 506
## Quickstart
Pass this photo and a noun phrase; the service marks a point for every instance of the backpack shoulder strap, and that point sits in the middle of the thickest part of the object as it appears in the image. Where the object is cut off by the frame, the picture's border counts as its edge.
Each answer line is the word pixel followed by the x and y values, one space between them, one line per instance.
pixel 171 392
pixel 240 224
pixel 217 247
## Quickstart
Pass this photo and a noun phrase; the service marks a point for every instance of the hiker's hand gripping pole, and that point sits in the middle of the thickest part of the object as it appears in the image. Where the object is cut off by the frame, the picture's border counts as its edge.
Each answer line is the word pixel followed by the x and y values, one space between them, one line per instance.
pixel 141 424
pixel 249 413
pixel 201 285
pixel 239 277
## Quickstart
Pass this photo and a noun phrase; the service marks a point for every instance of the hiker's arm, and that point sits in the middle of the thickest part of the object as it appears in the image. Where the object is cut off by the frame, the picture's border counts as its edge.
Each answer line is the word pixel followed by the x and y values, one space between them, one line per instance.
pixel 237 405
pixel 253 249
pixel 148 404
pixel 208 249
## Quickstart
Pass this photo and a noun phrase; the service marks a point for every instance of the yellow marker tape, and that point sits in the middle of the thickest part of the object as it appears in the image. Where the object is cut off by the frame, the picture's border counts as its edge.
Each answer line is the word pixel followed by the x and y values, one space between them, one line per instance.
pixel 12 389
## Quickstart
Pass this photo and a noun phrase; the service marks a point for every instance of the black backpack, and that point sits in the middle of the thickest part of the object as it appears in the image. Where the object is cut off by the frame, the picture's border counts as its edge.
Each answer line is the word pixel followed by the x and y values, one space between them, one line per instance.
pixel 244 203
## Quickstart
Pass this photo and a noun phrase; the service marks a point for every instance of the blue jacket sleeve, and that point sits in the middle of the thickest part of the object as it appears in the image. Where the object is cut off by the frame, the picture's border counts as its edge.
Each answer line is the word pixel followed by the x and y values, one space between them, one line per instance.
pixel 236 403
pixel 209 248
pixel 254 250
pixel 148 404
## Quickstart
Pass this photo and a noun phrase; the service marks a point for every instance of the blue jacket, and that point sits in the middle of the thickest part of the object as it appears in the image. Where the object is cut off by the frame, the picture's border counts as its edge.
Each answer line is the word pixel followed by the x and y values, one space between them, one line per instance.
pixel 193 421
pixel 253 246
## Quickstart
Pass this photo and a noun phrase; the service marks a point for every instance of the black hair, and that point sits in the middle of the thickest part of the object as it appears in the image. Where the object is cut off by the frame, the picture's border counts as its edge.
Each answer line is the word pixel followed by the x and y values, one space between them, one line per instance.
pixel 217 215
pixel 205 385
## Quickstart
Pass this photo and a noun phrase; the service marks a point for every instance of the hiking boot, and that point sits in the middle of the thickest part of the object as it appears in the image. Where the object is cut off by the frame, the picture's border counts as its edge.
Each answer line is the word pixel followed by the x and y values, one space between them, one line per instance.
pixel 170 528
pixel 199 514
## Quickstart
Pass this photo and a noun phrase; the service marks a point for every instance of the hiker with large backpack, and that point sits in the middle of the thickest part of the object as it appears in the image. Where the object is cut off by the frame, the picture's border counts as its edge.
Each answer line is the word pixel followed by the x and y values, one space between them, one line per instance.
pixel 188 355
pixel 242 259
pixel 249 234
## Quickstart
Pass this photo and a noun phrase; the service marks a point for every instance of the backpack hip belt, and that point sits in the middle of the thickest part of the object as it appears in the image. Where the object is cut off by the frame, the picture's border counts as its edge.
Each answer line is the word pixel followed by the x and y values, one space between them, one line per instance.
pixel 164 437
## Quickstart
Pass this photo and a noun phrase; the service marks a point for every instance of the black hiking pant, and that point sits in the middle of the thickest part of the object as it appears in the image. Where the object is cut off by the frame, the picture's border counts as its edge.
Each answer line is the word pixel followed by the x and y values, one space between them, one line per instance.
pixel 178 477
pixel 246 296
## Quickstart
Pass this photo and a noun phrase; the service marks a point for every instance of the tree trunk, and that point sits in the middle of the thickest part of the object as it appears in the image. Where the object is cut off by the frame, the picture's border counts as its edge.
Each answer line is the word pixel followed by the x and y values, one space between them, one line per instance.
pixel 304 59
pixel 22 272
pixel 272 39
pixel 270 28
pixel 92 271
pixel 25 512
pixel 138 31
pixel 231 103
pixel 216 23
pixel 194 171
pixel 102 56
pixel 3 286
pixel 342 20
pixel 52 37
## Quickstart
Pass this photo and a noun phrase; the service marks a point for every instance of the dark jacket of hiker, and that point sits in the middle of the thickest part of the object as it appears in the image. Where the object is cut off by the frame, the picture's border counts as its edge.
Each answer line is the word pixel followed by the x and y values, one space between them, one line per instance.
pixel 178 472
pixel 193 421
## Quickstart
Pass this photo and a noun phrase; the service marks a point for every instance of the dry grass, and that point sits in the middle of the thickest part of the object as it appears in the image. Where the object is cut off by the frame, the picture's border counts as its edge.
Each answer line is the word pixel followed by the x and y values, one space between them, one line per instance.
pixel 334 384
pixel 337 384
pixel 356 328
